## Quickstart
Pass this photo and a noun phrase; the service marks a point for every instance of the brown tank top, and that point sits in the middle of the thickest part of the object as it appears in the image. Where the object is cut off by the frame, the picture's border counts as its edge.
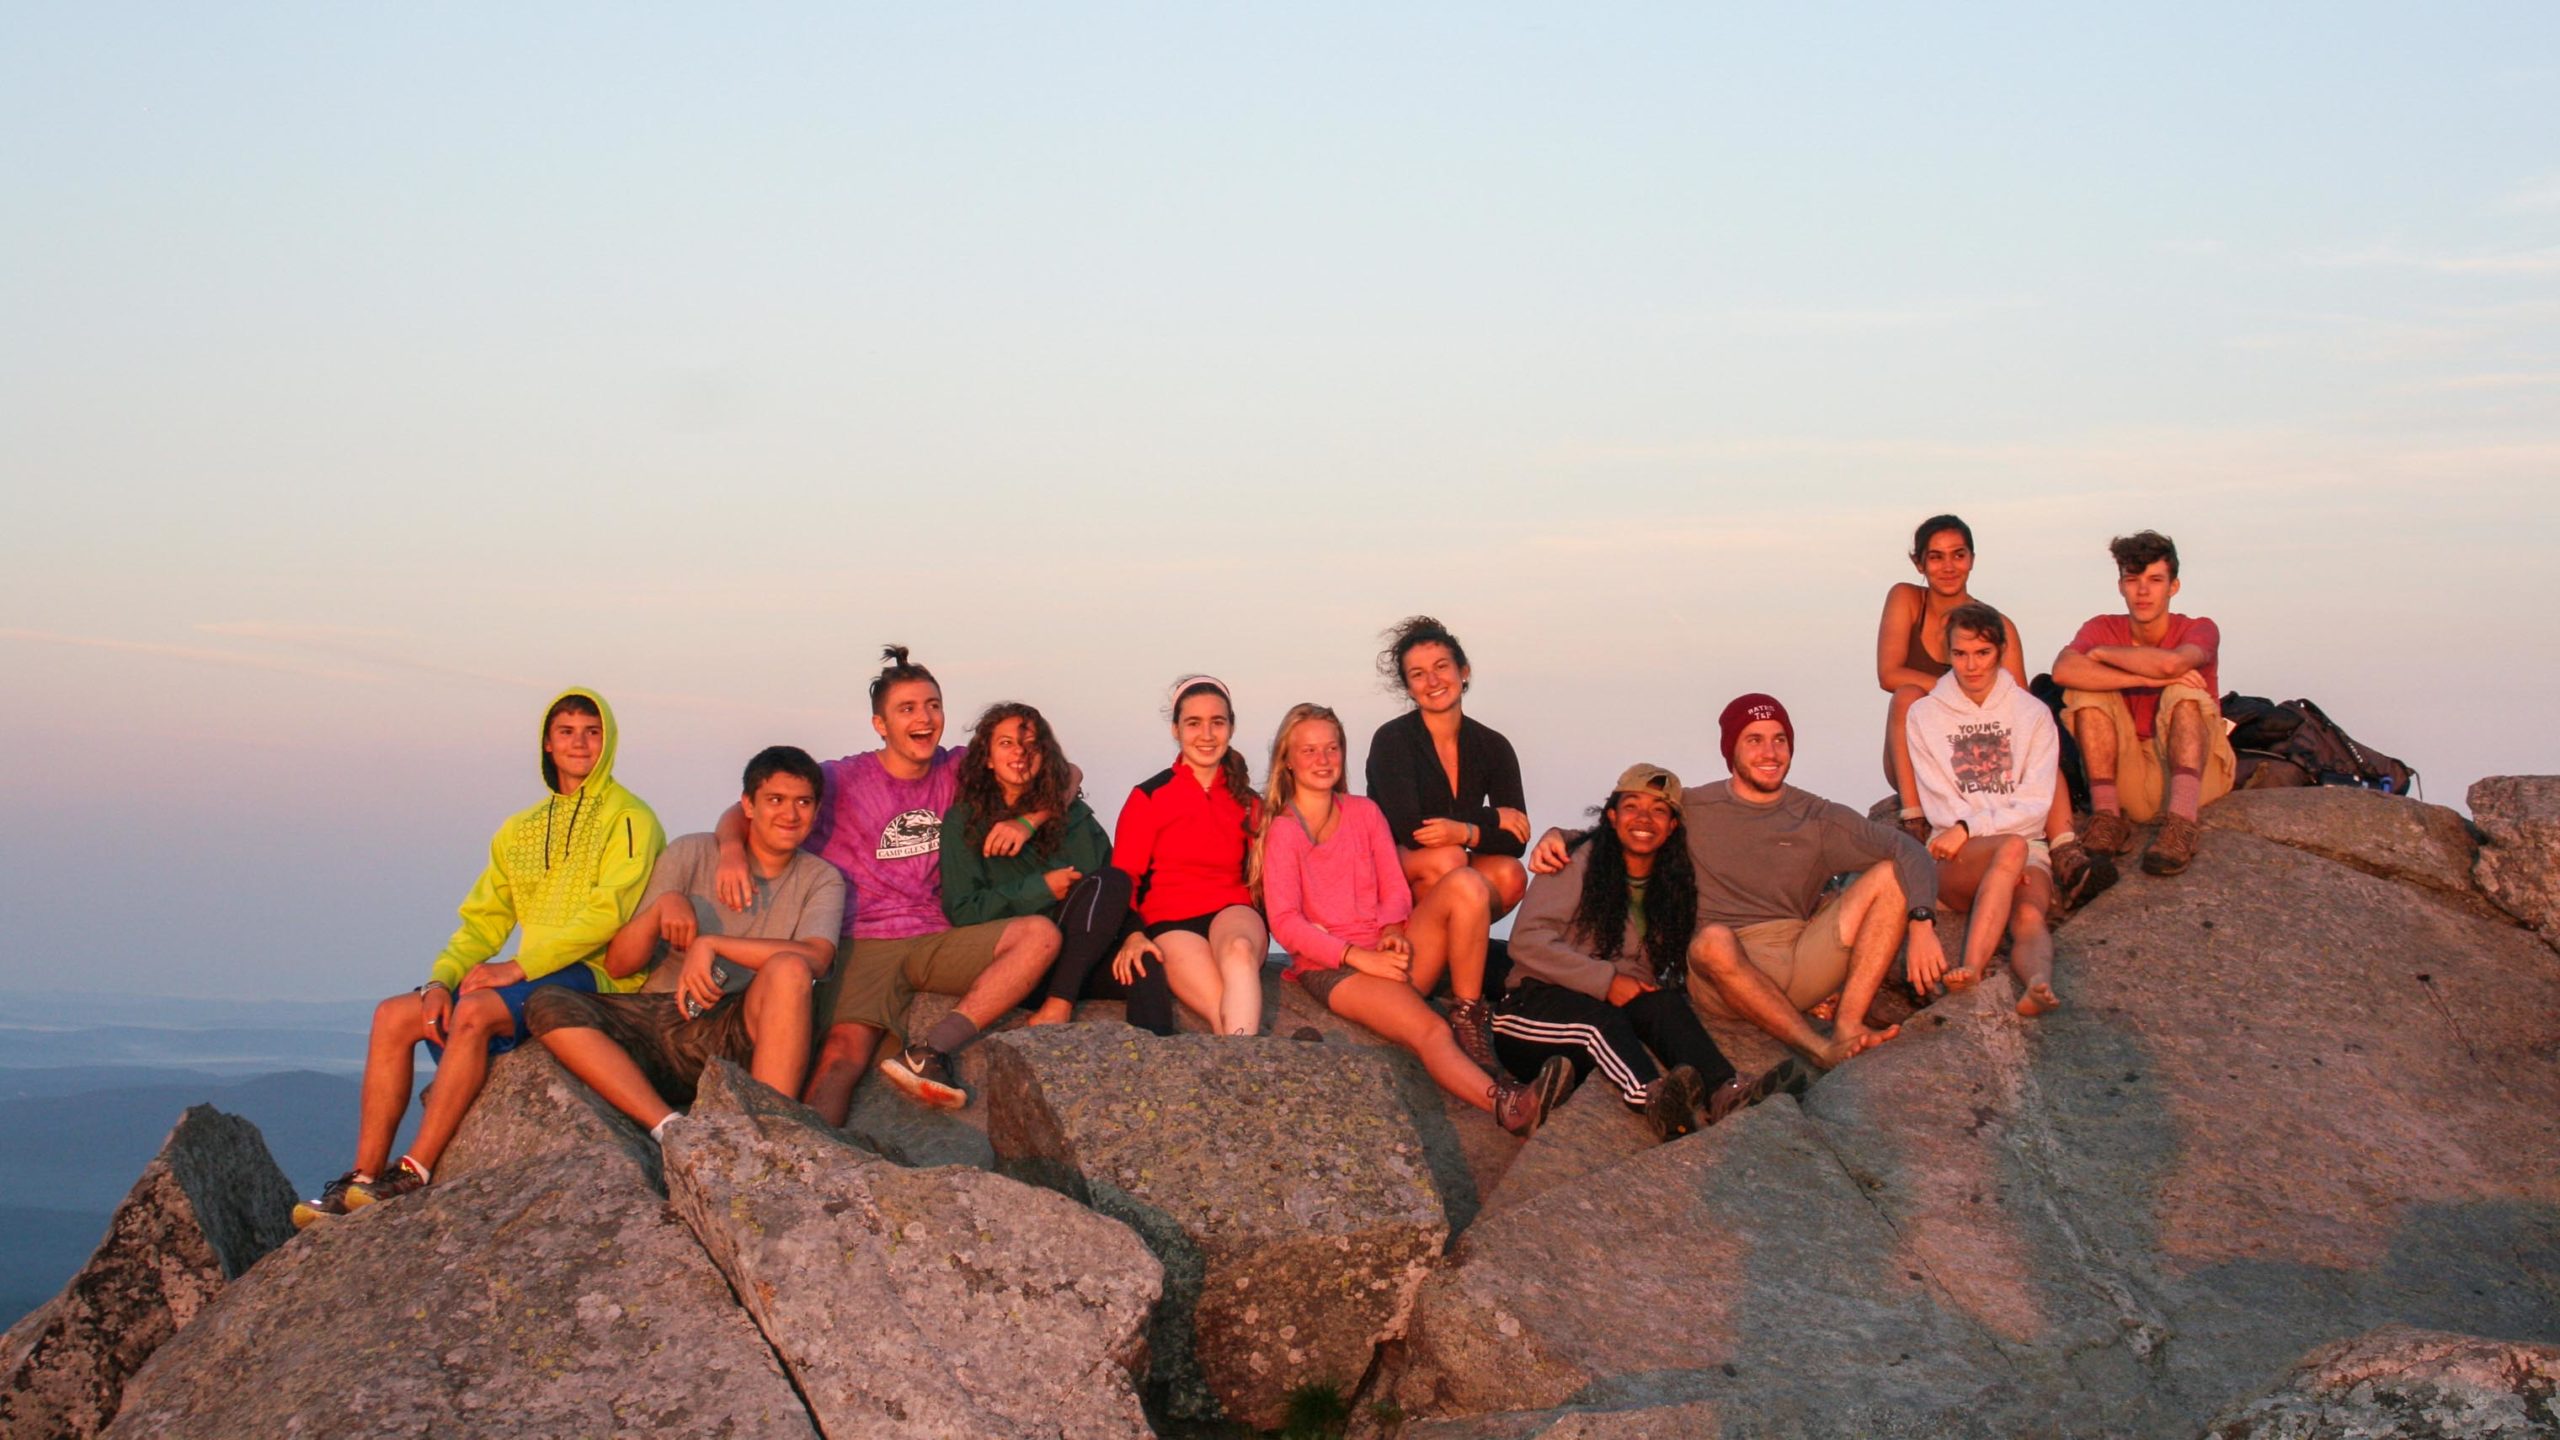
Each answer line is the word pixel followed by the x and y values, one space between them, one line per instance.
pixel 1917 655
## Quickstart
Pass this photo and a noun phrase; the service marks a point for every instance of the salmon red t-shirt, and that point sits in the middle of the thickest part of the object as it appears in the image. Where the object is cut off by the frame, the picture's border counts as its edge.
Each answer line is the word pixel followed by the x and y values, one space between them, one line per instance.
pixel 2144 701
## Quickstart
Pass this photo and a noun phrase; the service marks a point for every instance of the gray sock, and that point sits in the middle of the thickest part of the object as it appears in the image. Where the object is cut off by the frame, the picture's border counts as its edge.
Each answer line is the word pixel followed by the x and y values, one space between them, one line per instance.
pixel 951 1033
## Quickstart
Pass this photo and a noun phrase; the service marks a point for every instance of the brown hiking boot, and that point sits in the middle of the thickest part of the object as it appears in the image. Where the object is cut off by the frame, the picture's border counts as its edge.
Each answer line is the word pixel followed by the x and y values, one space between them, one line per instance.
pixel 2173 847
pixel 1472 1021
pixel 1671 1106
pixel 2107 833
pixel 2078 876
pixel 1521 1109
pixel 1790 1076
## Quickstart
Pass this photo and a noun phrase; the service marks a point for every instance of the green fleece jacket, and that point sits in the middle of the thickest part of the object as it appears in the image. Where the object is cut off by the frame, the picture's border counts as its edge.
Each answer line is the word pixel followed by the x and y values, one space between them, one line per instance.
pixel 568 872
pixel 977 888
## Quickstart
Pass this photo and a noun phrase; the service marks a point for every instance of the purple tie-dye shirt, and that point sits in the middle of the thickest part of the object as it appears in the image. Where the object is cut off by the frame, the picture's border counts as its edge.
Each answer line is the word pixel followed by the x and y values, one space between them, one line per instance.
pixel 885 834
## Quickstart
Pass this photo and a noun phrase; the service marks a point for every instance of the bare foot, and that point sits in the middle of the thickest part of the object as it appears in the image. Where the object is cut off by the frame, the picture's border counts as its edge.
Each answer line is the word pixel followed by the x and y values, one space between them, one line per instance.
pixel 1052 1011
pixel 1959 980
pixel 1852 1045
pixel 2038 999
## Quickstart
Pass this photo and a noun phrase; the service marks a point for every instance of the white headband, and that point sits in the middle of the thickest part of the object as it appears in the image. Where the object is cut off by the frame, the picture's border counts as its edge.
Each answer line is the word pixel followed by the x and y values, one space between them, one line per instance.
pixel 1173 696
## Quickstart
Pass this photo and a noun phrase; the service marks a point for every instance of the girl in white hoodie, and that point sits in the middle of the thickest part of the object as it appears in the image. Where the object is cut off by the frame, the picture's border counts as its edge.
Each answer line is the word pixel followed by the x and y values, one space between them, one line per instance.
pixel 1986 756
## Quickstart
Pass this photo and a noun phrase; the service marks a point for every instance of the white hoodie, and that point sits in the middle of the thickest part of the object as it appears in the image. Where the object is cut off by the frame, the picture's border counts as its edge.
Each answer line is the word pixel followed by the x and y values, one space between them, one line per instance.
pixel 1990 767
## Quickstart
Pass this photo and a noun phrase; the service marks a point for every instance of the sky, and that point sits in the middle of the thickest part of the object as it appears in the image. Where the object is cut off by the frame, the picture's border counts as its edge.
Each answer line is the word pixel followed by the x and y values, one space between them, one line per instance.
pixel 368 375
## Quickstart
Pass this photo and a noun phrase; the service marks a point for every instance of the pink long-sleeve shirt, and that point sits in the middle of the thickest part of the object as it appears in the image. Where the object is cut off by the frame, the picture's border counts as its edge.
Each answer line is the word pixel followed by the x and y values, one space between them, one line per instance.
pixel 1324 899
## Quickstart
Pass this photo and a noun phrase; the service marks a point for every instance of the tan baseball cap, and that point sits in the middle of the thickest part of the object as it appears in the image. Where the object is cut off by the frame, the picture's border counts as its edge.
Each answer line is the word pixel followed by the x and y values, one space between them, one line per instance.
pixel 1643 779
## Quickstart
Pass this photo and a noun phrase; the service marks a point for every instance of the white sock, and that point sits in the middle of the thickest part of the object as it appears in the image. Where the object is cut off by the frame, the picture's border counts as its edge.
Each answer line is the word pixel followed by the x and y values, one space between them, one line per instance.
pixel 412 1162
pixel 658 1132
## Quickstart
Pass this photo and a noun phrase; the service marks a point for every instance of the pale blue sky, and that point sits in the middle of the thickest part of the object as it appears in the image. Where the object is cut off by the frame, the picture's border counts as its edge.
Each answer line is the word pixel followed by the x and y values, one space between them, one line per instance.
pixel 366 375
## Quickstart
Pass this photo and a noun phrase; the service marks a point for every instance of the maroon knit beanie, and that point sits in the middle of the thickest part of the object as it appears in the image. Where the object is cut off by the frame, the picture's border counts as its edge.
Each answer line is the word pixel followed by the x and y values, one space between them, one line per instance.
pixel 1743 710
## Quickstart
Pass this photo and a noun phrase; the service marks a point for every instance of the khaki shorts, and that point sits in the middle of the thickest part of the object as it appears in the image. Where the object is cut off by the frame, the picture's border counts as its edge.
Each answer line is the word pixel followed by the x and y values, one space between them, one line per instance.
pixel 1805 958
pixel 873 980
pixel 2142 766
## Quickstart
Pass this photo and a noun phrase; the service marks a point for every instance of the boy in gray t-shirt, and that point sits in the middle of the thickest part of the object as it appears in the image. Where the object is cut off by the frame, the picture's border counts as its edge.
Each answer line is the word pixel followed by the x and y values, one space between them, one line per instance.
pixel 731 984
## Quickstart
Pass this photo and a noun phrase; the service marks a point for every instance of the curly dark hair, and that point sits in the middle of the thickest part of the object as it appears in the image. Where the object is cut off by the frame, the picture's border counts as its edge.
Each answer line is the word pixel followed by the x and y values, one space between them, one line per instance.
pixel 1409 632
pixel 1670 899
pixel 2142 549
pixel 1047 792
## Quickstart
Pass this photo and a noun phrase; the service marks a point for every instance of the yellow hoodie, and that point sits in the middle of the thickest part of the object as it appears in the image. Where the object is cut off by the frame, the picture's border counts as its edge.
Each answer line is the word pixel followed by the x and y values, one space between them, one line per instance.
pixel 569 871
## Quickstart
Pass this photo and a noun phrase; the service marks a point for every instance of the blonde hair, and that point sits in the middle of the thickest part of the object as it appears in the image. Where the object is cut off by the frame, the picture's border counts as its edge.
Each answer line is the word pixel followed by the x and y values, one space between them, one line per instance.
pixel 1280 787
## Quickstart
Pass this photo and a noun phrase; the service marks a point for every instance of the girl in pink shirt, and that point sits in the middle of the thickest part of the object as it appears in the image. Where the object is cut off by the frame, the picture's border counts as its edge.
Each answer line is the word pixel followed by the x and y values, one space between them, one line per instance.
pixel 1336 896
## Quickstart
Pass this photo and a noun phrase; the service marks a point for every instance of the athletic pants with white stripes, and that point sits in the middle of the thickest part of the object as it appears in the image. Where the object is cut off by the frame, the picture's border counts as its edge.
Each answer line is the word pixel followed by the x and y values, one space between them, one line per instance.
pixel 1534 1020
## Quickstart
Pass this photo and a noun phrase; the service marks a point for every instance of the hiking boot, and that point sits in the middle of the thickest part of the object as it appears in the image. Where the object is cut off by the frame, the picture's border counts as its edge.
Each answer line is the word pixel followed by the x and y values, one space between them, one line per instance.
pixel 923 1074
pixel 1788 1077
pixel 2107 833
pixel 1671 1107
pixel 1473 1022
pixel 395 1182
pixel 332 1201
pixel 2078 876
pixel 1520 1108
pixel 2173 847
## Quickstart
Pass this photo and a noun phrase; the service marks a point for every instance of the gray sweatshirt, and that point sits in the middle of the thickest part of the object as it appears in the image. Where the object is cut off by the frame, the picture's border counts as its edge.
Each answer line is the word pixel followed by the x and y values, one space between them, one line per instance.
pixel 1543 946
pixel 1769 862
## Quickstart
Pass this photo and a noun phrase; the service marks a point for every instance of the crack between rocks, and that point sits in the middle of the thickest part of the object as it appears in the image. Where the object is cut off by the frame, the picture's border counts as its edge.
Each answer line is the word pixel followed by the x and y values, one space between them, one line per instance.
pixel 780 1363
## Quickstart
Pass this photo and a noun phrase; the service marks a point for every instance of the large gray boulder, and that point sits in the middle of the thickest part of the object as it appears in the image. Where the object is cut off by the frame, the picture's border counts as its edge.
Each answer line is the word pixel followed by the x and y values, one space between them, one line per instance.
pixel 912 1302
pixel 2286 1102
pixel 206 1208
pixel 2520 864
pixel 2409 1385
pixel 1742 1264
pixel 530 1106
pixel 1280 1182
pixel 555 1296
pixel 1592 1131
pixel 2392 836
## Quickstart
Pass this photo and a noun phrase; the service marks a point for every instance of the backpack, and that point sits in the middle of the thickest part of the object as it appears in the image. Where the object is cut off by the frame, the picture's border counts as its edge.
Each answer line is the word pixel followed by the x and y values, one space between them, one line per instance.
pixel 2075 775
pixel 2296 744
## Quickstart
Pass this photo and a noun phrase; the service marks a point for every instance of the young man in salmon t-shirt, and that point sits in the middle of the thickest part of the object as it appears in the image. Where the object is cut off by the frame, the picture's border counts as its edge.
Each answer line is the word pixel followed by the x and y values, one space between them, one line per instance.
pixel 2139 695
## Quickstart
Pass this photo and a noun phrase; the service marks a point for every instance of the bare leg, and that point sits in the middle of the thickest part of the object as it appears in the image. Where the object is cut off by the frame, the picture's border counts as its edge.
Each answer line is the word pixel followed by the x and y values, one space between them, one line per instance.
pixel 1423 868
pixel 1872 924
pixel 1398 1014
pixel 1716 958
pixel 842 1057
pixel 778 1002
pixel 1897 747
pixel 2031 945
pixel 1240 944
pixel 1193 974
pixel 2096 733
pixel 1508 877
pixel 608 1071
pixel 1023 955
pixel 1448 931
pixel 1981 880
pixel 478 1018
pixel 389 1071
pixel 2058 819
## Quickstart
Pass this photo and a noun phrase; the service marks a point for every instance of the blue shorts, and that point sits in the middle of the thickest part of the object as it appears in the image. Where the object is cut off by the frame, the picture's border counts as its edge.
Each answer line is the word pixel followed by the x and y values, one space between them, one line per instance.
pixel 575 977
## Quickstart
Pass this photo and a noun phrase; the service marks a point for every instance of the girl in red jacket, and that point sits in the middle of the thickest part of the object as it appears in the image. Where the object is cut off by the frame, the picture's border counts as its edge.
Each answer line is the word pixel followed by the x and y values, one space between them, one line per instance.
pixel 1183 840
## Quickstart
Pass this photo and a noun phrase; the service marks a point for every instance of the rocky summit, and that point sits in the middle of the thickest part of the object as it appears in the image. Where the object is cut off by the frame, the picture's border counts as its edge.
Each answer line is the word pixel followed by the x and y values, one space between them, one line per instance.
pixel 2285 1164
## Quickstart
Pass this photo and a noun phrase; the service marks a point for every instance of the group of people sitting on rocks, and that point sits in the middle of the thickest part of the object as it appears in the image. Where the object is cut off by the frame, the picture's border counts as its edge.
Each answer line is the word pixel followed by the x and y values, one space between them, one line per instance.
pixel 792 937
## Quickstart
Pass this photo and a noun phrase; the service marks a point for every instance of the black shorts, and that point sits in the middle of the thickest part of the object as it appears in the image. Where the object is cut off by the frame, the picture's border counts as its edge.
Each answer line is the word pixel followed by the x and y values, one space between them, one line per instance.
pixel 1319 983
pixel 1196 925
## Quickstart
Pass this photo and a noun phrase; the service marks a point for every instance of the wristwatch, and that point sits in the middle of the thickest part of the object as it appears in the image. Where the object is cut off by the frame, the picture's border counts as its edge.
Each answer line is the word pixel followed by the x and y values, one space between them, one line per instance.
pixel 1926 914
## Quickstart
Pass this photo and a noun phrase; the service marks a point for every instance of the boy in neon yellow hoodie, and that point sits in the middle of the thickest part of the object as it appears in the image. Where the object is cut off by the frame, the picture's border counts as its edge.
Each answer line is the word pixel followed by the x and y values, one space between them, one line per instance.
pixel 567 872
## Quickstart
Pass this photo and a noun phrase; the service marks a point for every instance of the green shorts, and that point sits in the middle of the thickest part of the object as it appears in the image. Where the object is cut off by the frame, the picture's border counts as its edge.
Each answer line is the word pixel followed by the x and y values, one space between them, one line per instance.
pixel 873 981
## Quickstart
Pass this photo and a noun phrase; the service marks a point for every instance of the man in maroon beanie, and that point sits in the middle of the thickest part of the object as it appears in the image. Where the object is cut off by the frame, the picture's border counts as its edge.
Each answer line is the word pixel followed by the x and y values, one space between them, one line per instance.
pixel 1769 948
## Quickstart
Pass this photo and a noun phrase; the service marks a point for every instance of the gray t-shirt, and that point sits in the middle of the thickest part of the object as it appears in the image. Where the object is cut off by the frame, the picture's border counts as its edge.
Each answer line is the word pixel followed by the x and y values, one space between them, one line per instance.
pixel 804 902
pixel 1769 862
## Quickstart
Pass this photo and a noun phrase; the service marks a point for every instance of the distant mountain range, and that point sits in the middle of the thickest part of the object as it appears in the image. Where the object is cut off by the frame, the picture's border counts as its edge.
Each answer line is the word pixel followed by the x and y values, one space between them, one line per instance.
pixel 89 1086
